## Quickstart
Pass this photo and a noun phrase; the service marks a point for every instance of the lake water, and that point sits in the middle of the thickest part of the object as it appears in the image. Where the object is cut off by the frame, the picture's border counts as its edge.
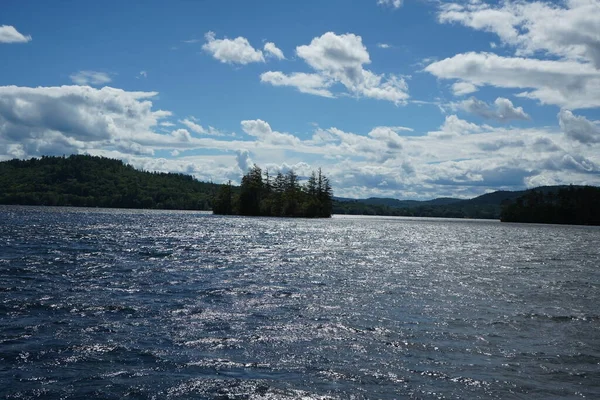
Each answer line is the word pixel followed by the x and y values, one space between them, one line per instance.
pixel 158 304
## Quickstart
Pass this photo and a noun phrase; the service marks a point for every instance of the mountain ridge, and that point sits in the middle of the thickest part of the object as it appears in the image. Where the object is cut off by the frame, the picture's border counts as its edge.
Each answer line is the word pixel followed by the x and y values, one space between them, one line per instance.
pixel 487 205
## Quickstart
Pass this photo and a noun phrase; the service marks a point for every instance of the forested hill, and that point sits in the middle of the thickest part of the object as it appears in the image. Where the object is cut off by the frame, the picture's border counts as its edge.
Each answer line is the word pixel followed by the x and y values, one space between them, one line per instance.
pixel 489 205
pixel 82 180
pixel 578 205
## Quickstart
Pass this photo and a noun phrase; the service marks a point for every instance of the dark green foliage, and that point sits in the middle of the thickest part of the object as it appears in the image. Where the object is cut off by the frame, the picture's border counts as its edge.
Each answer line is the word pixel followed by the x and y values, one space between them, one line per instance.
pixel 570 205
pixel 282 196
pixel 358 207
pixel 409 203
pixel 223 203
pixel 88 181
pixel 488 205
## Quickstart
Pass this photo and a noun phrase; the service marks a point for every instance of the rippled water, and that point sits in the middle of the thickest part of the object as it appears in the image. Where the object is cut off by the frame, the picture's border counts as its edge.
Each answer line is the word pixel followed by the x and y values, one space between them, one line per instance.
pixel 147 304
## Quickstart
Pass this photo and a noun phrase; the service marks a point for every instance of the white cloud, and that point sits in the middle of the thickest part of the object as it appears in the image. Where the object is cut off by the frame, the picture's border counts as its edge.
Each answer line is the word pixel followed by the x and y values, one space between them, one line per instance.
pixel 232 51
pixel 388 135
pixel 143 74
pixel 460 159
pixel 9 34
pixel 90 78
pixel 454 126
pixel 502 110
pixel 306 83
pixel 262 130
pixel 243 160
pixel 390 3
pixel 462 88
pixel 193 126
pixel 66 119
pixel 273 51
pixel 383 45
pixel 568 29
pixel 339 55
pixel 578 128
pixel 563 83
pixel 340 59
pixel 182 135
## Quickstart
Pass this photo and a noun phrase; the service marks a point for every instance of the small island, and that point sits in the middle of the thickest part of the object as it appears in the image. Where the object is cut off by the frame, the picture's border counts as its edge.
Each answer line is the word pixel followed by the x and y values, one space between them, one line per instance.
pixel 279 196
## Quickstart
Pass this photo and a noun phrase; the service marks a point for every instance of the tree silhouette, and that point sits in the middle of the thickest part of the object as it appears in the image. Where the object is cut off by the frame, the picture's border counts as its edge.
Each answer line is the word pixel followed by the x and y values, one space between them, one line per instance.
pixel 283 196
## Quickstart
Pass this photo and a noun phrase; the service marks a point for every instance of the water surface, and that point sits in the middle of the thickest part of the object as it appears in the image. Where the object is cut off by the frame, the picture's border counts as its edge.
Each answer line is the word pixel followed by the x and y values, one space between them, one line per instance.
pixel 162 304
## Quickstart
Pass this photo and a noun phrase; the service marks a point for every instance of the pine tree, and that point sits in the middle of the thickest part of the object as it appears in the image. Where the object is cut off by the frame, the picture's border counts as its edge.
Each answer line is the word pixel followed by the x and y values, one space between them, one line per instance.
pixel 224 202
pixel 251 191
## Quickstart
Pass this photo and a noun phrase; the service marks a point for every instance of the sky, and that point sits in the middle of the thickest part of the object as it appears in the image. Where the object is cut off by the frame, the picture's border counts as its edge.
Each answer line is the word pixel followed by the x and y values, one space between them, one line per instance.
pixel 410 99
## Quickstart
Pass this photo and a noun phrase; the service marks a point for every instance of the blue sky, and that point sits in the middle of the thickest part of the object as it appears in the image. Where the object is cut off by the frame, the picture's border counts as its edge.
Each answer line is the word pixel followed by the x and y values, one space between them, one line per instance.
pixel 406 99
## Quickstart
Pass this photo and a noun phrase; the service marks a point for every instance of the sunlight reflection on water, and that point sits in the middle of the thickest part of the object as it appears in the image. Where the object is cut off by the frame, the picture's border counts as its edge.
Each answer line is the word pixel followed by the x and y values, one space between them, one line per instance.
pixel 161 304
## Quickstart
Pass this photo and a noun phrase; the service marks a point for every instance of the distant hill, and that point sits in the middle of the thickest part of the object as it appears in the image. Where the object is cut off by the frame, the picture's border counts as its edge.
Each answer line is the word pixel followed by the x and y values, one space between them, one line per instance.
pixel 496 198
pixel 488 205
pixel 408 203
pixel 82 180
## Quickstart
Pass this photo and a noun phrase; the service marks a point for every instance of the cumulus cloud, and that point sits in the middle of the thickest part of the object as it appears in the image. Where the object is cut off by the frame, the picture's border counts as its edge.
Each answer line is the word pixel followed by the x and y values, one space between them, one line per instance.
pixel 390 3
pixel 232 51
pixel 454 126
pixel 90 78
pixel 388 135
pixel 570 162
pixel 9 34
pixel 568 29
pixel 460 159
pixel 502 110
pixel 243 160
pixel 181 135
pixel 306 83
pixel 578 128
pixel 273 51
pixel 340 59
pixel 262 130
pixel 73 118
pixel 564 83
pixel 462 88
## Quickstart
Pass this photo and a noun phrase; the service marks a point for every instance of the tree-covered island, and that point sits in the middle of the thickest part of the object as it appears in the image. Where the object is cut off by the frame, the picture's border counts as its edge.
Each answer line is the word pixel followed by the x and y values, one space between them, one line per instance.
pixel 282 195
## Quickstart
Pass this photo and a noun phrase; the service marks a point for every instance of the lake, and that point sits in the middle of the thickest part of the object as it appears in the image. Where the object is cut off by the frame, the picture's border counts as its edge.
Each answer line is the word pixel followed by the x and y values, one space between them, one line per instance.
pixel 165 304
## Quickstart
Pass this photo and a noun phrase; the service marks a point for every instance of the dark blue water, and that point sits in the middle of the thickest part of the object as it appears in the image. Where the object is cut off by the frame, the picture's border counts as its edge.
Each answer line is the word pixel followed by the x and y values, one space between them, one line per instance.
pixel 138 304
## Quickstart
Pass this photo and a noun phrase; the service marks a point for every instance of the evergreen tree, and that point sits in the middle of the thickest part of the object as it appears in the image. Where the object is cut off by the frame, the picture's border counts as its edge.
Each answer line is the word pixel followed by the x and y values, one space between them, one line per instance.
pixel 283 196
pixel 223 203
pixel 251 192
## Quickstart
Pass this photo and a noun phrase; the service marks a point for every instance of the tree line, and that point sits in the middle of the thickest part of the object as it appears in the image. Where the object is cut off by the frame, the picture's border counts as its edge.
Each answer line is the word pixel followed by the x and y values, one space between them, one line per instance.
pixel 570 205
pixel 282 195
pixel 458 210
pixel 89 181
